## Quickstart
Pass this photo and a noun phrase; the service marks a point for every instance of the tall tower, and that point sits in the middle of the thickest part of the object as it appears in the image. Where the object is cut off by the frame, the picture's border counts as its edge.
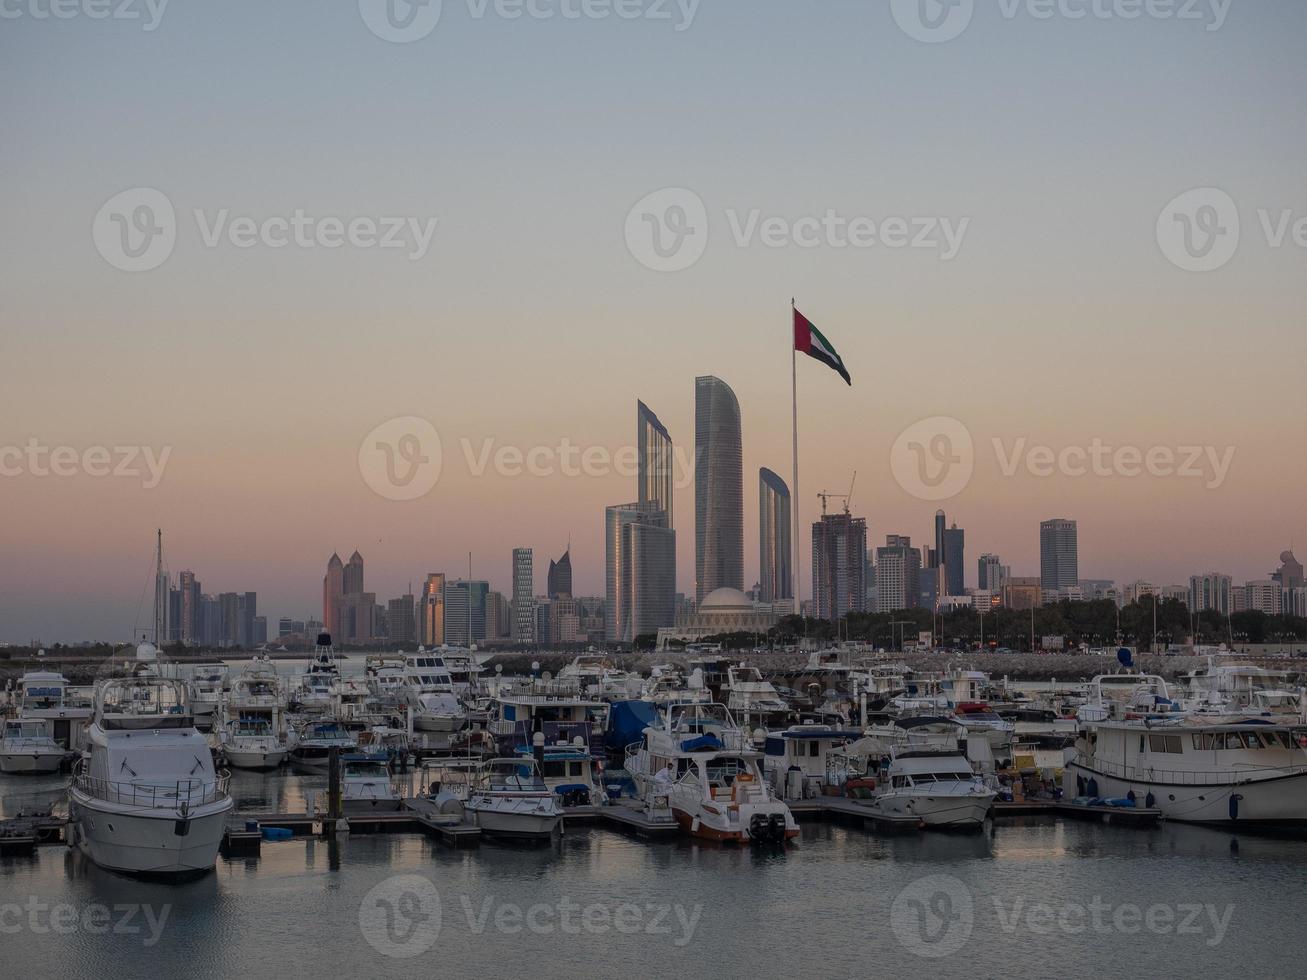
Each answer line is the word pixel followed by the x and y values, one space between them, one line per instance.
pixel 524 608
pixel 333 590
pixel 953 560
pixel 431 614
pixel 839 565
pixel 718 488
pixel 656 464
pixel 354 574
pixel 639 571
pixel 775 538
pixel 559 582
pixel 1059 554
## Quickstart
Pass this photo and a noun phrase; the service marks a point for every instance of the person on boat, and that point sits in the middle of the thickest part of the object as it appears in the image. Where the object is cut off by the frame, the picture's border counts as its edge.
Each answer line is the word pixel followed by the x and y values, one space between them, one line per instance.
pixel 663 780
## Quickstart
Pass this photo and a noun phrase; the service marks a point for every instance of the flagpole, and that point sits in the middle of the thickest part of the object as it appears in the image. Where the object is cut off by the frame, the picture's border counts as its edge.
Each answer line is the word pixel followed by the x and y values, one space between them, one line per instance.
pixel 794 496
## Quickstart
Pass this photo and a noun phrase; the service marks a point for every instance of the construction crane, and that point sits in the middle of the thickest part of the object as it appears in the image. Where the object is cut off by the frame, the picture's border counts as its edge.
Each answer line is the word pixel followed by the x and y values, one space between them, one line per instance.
pixel 847 497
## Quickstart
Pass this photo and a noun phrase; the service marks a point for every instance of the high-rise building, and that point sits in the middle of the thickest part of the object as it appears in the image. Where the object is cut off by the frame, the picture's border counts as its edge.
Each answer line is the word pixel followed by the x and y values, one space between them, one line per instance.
pixel 718 488
pixel 954 561
pixel 333 589
pixel 353 574
pixel 559 581
pixel 356 614
pixel 190 602
pixel 431 611
pixel 229 619
pixel 1264 595
pixel 656 465
pixel 936 555
pixel 500 617
pixel 839 555
pixel 988 566
pixel 1210 590
pixel 260 636
pixel 524 588
pixel 898 574
pixel 465 611
pixel 639 571
pixel 775 539
pixel 248 609
pixel 1059 555
pixel 400 627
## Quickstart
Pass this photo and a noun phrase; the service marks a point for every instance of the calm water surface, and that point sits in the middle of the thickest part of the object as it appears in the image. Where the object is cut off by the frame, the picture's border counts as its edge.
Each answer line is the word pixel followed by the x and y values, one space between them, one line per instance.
pixel 1024 900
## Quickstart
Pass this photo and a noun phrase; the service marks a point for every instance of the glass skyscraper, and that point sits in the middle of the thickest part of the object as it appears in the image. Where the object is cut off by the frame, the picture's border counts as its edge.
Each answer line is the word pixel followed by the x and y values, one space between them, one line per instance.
pixel 640 571
pixel 718 488
pixel 656 468
pixel 775 538
pixel 1059 554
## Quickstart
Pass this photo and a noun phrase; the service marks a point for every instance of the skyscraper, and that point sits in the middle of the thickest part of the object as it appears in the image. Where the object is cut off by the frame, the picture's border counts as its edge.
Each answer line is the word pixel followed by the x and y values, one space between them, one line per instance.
pixel 953 559
pixel 524 587
pixel 989 573
pixel 639 571
pixel 1210 591
pixel 431 614
pixel 399 620
pixel 898 572
pixel 937 556
pixel 353 574
pixel 465 611
pixel 775 538
pixel 190 606
pixel 333 589
pixel 655 473
pixel 559 582
pixel 839 555
pixel 1059 555
pixel 718 488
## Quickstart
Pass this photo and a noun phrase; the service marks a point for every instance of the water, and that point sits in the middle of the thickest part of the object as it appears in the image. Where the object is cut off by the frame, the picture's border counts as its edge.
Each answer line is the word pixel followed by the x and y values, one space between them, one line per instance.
pixel 1025 900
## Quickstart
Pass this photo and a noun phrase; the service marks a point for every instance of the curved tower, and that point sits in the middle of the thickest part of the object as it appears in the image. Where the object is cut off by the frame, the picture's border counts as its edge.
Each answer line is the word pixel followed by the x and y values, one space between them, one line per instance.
pixel 775 538
pixel 718 488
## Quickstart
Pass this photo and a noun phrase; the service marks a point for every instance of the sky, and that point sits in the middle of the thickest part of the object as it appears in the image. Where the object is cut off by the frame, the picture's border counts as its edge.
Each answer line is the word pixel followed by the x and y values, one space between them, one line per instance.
pixel 989 218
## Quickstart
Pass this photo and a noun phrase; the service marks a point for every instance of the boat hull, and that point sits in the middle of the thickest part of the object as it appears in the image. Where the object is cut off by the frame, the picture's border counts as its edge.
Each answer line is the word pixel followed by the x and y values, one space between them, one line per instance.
pixel 1280 801
pixel 256 759
pixel 696 826
pixel 147 842
pixel 522 826
pixel 955 812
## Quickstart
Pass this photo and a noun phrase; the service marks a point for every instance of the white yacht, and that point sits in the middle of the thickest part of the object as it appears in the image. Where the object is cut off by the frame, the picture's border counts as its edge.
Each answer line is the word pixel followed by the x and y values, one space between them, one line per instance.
pixel 753 700
pixel 207 686
pixel 510 799
pixel 595 675
pixel 367 785
pixel 520 709
pixel 937 787
pixel 315 690
pixel 462 666
pixel 710 772
pixel 255 734
pixel 428 692
pixel 803 758
pixel 312 750
pixel 25 747
pixel 146 798
pixel 1252 773
pixel 45 698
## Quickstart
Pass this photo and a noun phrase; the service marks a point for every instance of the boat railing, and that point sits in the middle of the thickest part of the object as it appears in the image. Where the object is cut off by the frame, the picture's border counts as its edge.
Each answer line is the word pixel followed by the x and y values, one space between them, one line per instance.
pixel 154 795
pixel 1192 777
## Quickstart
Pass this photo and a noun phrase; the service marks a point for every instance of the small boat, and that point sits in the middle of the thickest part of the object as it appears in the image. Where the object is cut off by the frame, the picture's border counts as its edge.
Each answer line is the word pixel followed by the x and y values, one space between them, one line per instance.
pixel 367 785
pixel 26 748
pixel 937 787
pixel 313 750
pixel 510 799
pixel 254 735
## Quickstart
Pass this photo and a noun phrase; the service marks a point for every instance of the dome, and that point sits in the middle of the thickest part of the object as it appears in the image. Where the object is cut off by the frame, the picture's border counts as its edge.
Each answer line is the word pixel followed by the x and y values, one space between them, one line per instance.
pixel 725 599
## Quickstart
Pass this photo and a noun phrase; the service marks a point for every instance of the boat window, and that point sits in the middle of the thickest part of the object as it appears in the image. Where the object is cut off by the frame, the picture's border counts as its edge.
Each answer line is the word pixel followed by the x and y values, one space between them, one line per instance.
pixel 1165 743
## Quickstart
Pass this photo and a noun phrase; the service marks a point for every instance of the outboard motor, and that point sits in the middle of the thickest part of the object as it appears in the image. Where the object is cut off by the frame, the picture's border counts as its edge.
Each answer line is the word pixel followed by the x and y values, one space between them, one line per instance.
pixel 758 828
pixel 776 825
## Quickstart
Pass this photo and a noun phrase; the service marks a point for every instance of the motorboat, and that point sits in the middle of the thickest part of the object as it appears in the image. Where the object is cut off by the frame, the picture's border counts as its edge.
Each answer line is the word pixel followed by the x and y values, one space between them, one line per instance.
pixel 804 758
pixel 983 722
pixel 26 747
pixel 518 710
pixel 312 750
pixel 47 699
pixel 314 695
pixel 510 799
pixel 753 700
pixel 570 771
pixel 937 787
pixel 428 692
pixel 1194 771
pixel 255 734
pixel 146 798
pixel 595 675
pixel 368 786
pixel 711 775
pixel 207 686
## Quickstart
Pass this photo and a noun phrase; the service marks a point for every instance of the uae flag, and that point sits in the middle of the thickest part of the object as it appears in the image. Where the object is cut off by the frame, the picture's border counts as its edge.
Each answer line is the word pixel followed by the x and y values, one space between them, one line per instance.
pixel 809 340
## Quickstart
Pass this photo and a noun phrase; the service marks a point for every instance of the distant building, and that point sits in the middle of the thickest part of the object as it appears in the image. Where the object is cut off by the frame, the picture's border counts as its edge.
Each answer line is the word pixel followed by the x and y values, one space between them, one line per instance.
pixel 501 618
pixel 721 612
pixel 1023 593
pixel 775 539
pixel 639 571
pixel 898 574
pixel 524 617
pixel 559 581
pixel 189 588
pixel 1264 595
pixel 260 635
pixel 400 616
pixel 352 577
pixel 431 611
pixel 718 489
pixel 656 462
pixel 333 590
pixel 839 553
pixel 954 561
pixel 1210 591
pixel 1059 554
pixel 465 612
pixel 989 573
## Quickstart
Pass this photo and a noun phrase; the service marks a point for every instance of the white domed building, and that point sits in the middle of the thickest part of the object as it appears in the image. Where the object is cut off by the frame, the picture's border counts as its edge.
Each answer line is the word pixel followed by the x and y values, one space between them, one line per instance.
pixel 721 611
